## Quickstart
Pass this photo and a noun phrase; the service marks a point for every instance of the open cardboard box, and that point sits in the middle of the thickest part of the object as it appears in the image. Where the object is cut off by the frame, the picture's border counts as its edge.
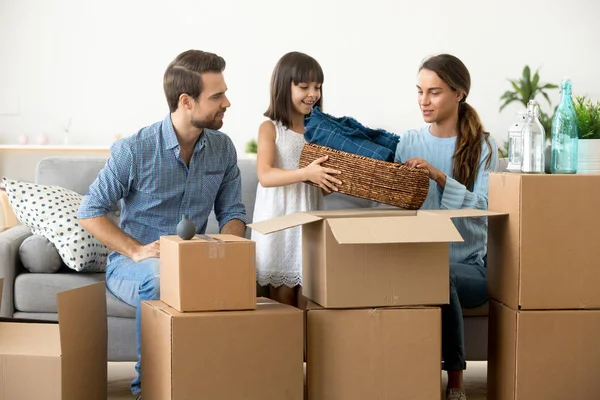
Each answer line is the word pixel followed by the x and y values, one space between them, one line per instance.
pixel 374 257
pixel 64 360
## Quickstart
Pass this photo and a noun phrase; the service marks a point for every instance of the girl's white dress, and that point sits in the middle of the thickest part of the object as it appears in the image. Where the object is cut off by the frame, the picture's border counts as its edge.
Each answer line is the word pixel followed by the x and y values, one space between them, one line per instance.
pixel 279 254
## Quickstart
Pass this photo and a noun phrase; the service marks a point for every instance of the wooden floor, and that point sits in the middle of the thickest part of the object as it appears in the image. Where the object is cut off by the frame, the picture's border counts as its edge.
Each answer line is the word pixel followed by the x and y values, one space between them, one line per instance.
pixel 121 374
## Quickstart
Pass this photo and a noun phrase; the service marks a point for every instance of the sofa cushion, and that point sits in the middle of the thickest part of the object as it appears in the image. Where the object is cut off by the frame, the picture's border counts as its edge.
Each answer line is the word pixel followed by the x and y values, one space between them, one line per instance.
pixel 39 255
pixel 51 211
pixel 36 293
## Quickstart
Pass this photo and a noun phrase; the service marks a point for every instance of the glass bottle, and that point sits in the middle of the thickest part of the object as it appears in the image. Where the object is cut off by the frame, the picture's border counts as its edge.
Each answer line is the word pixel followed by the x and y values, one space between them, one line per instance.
pixel 565 136
pixel 534 141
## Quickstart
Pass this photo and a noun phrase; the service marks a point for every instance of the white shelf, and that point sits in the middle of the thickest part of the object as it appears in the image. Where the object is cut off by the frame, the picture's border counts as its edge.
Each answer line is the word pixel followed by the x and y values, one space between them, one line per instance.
pixel 55 148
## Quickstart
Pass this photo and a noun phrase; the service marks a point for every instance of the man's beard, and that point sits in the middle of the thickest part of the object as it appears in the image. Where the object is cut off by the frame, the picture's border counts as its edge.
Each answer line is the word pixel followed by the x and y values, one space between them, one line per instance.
pixel 206 123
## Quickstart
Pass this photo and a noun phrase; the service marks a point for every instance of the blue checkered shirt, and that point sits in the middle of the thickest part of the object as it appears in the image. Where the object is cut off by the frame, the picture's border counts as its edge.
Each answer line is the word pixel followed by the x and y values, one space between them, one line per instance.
pixel 147 174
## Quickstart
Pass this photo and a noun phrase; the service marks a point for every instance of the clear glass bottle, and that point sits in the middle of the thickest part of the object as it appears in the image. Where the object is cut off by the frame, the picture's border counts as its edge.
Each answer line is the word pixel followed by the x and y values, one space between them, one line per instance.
pixel 534 141
pixel 565 137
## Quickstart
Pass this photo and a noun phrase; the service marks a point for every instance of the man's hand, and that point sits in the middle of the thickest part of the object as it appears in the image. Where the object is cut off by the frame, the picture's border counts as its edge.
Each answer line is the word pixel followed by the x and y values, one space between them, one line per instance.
pixel 234 227
pixel 151 250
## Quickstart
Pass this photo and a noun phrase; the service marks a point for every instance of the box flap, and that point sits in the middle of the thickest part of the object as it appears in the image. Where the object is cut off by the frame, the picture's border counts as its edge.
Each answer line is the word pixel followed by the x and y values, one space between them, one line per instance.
pixel 363 212
pixel 393 230
pixel 285 222
pixel 206 238
pixel 228 238
pixel 29 339
pixel 82 318
pixel 461 213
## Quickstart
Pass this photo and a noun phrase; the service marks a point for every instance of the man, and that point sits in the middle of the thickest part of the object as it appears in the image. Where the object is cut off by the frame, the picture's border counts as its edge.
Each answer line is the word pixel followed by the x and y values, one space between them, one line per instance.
pixel 181 165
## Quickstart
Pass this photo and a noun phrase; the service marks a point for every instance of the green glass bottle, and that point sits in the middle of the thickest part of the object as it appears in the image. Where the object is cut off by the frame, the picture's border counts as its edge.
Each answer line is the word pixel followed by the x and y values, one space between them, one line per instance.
pixel 565 136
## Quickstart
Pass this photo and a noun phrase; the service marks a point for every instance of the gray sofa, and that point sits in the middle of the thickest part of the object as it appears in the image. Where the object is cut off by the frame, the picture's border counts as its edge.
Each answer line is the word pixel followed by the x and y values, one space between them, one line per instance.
pixel 33 295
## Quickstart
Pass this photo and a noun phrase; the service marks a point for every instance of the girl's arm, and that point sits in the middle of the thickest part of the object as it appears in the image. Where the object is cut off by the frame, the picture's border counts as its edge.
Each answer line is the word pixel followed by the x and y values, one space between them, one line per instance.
pixel 269 176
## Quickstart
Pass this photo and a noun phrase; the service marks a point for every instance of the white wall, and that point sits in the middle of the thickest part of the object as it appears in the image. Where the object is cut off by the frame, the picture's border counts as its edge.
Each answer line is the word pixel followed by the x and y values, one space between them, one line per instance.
pixel 101 62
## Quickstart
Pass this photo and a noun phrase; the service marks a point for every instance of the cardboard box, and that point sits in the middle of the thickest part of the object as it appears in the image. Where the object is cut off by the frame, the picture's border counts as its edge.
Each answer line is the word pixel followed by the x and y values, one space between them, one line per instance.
pixel 545 254
pixel 208 273
pixel 250 355
pixel 385 353
pixel 543 354
pixel 374 258
pixel 64 360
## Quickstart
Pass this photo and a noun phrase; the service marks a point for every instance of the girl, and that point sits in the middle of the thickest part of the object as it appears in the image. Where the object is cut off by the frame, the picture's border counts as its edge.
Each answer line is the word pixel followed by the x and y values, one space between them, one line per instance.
pixel 295 89
pixel 459 156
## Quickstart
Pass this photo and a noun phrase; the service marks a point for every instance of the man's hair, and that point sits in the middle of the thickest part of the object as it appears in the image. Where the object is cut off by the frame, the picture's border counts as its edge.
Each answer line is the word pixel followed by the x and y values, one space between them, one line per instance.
pixel 184 74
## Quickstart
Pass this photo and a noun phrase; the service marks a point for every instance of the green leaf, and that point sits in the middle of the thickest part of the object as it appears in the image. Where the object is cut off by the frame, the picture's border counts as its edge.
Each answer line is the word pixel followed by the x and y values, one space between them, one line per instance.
pixel 549 86
pixel 518 89
pixel 508 100
pixel 536 80
pixel 527 76
pixel 507 94
pixel 547 98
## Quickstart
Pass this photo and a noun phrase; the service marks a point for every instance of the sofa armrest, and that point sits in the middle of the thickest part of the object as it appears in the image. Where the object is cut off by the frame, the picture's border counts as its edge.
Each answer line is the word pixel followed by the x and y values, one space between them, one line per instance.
pixel 10 264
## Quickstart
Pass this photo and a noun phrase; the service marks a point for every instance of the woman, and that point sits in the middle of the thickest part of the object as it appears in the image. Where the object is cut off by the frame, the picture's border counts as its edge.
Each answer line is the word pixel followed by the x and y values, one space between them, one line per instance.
pixel 459 156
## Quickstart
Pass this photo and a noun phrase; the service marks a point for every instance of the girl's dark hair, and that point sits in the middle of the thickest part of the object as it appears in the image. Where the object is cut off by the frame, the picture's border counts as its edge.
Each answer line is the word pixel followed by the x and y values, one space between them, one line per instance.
pixel 293 67
pixel 470 129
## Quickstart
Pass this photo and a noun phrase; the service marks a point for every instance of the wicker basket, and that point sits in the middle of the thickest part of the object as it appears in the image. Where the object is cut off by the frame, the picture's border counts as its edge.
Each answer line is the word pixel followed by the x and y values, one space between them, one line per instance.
pixel 384 182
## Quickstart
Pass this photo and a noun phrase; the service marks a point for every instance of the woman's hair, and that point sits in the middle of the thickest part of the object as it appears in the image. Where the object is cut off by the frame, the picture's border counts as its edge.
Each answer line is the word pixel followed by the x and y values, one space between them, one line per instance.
pixel 293 67
pixel 470 129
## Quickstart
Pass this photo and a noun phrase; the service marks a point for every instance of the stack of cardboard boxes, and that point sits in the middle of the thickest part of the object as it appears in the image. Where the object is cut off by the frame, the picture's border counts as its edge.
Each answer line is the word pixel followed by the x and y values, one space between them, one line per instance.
pixel 544 279
pixel 376 279
pixel 208 337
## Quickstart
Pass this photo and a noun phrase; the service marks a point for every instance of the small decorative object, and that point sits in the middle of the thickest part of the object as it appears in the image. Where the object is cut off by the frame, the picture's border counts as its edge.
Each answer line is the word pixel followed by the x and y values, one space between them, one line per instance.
pixel 42 139
pixel 23 139
pixel 515 142
pixel 186 228
pixel 534 139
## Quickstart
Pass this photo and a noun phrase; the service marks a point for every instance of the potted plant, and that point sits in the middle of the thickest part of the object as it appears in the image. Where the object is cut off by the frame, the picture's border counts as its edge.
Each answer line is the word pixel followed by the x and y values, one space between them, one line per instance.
pixel 588 120
pixel 528 88
pixel 251 148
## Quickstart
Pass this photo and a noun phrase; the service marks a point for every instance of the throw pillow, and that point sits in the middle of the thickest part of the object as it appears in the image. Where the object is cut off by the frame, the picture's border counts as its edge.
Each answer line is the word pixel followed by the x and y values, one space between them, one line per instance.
pixel 51 211
pixel 39 255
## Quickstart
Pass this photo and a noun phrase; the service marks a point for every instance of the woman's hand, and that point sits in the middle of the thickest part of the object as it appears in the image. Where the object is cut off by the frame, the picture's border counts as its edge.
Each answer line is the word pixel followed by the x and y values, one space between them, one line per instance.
pixel 434 173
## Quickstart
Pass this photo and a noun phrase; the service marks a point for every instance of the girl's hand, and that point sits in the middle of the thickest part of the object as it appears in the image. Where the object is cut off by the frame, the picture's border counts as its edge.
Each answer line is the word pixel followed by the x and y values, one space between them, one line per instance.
pixel 434 173
pixel 322 176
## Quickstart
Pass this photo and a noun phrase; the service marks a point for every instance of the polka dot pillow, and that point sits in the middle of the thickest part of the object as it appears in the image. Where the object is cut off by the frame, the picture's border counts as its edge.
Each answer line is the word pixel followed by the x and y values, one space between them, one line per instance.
pixel 51 211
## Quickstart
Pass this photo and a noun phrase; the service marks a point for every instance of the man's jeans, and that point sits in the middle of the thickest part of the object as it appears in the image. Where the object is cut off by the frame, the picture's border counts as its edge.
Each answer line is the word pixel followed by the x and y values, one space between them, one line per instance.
pixel 133 282
pixel 467 290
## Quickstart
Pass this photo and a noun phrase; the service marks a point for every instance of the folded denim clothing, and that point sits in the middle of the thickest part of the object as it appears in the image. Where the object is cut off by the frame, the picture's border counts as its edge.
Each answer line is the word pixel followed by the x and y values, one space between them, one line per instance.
pixel 349 135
